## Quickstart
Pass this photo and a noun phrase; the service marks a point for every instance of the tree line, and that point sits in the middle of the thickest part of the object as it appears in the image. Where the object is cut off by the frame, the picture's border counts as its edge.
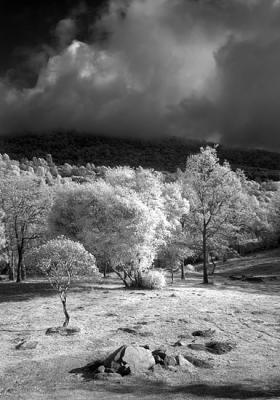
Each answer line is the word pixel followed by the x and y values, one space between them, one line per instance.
pixel 131 220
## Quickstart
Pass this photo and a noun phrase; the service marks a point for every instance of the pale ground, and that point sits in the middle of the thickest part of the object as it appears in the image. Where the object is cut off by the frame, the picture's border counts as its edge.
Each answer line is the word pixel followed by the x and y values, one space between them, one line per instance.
pixel 245 313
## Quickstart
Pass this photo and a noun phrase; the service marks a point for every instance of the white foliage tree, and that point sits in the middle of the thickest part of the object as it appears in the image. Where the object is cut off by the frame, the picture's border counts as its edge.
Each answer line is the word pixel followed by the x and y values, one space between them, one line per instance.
pixel 62 261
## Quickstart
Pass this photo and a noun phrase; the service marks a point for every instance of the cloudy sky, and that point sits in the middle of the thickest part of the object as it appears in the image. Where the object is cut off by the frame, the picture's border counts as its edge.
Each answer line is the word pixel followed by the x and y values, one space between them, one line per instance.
pixel 206 69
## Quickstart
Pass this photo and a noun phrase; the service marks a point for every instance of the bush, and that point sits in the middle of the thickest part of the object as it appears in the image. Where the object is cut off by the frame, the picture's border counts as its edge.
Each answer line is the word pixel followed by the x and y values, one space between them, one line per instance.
pixel 153 280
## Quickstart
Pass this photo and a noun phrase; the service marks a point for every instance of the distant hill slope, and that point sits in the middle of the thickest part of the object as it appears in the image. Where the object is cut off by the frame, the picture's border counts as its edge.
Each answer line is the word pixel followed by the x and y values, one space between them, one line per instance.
pixel 164 155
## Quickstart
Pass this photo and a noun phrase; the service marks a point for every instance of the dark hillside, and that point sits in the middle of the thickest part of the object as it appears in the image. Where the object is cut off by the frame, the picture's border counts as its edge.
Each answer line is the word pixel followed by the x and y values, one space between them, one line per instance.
pixel 164 155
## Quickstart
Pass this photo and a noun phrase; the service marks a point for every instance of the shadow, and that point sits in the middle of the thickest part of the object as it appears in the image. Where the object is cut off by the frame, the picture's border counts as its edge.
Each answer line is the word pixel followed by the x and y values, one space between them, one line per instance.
pixel 222 282
pixel 144 388
pixel 87 372
pixel 26 290
pixel 141 387
pixel 266 287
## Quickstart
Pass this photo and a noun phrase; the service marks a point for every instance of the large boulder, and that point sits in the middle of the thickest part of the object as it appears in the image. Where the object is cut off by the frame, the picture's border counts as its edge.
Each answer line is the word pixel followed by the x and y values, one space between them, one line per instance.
pixel 130 360
pixel 138 359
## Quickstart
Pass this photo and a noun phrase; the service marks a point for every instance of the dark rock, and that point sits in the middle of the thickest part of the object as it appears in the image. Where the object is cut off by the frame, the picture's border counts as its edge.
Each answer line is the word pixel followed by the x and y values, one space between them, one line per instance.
pixel 128 330
pixel 146 346
pixel 204 333
pixel 198 347
pixel 220 347
pixel 67 331
pixel 158 360
pixel 146 334
pixel 24 345
pixel 197 362
pixel 173 295
pixel 124 370
pixel 116 356
pixel 160 354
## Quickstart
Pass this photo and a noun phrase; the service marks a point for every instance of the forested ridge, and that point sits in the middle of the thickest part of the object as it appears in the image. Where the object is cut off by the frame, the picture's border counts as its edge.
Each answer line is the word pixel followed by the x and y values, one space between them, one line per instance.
pixel 162 155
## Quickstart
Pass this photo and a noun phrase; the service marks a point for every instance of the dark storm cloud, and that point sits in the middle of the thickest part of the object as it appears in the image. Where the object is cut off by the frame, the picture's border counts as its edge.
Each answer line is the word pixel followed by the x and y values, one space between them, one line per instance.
pixel 204 69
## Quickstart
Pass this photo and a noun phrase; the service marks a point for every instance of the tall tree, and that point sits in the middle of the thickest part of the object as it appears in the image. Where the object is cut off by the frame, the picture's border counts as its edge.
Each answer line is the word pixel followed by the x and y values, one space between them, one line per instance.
pixel 217 203
pixel 26 203
pixel 112 222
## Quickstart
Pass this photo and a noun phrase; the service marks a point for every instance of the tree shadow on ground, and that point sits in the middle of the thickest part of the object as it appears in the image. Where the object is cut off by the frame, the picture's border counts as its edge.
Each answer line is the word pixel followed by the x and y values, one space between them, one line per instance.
pixel 23 291
pixel 219 282
pixel 141 389
pixel 267 287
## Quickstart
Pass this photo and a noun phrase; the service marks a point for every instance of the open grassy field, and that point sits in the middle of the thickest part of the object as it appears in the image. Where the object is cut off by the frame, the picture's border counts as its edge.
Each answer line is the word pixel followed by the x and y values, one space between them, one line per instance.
pixel 247 314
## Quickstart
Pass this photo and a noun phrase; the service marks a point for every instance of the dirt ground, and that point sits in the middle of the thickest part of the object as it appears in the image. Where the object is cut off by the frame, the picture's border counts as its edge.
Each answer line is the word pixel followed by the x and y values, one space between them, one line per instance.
pixel 244 313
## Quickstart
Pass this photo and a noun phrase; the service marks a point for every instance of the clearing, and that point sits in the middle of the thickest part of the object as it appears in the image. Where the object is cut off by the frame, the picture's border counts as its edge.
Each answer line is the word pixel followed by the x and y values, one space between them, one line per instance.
pixel 245 313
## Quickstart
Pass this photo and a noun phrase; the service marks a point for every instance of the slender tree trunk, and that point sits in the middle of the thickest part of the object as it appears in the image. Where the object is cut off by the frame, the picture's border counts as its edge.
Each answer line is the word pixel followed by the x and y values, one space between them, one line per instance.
pixel 182 271
pixel 205 272
pixel 19 265
pixel 67 317
pixel 11 272
pixel 105 270
pixel 172 275
pixel 23 272
pixel 214 264
pixel 11 266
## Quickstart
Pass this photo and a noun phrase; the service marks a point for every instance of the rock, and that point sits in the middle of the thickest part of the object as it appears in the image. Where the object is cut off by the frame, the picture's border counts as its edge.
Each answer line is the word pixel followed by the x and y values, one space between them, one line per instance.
pixel 116 356
pixel 101 369
pixel 204 333
pixel 63 331
pixel 138 359
pixel 115 366
pixel 130 359
pixel 158 360
pixel 198 347
pixel 197 362
pixel 220 347
pixel 183 362
pixel 146 334
pixel 179 343
pixel 128 330
pixel 173 295
pixel 159 356
pixel 26 345
pixel 170 361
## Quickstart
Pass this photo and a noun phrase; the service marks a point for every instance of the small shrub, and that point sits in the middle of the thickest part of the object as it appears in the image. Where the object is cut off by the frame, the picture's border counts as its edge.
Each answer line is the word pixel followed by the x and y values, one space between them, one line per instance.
pixel 153 280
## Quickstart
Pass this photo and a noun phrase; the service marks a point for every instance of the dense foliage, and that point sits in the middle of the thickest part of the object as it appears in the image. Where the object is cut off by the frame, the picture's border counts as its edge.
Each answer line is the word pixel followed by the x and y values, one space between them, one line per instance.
pixel 162 155
pixel 132 220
